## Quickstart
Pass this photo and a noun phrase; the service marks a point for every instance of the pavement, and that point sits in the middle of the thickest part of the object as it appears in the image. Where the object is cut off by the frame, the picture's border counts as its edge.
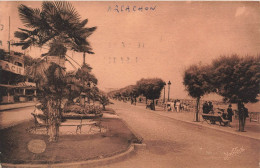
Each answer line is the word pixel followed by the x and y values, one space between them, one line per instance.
pixel 5 107
pixel 175 140
pixel 252 129
pixel 176 143
pixel 15 116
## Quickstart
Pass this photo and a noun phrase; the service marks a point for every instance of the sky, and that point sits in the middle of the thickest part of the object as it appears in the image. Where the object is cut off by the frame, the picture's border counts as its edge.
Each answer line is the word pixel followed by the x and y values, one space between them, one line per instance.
pixel 161 40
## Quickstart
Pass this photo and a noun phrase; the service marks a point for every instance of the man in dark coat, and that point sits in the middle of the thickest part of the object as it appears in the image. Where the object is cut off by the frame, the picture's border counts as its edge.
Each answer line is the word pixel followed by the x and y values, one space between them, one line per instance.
pixel 205 107
pixel 210 107
pixel 230 113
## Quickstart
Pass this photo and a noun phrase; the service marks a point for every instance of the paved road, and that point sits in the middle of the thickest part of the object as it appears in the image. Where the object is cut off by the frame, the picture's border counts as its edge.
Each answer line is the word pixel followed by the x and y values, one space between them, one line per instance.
pixel 172 143
pixel 15 116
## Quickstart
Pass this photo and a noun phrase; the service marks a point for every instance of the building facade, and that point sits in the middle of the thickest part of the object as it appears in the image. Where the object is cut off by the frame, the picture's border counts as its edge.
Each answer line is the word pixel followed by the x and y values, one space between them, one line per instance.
pixel 14 85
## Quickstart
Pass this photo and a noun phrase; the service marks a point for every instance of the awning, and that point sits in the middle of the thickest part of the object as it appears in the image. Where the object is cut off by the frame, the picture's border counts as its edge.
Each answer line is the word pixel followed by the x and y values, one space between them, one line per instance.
pixel 22 85
pixel 26 84
pixel 8 86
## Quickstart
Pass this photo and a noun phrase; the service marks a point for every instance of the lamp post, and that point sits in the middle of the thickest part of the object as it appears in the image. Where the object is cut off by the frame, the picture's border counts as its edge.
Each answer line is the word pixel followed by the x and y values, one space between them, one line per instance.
pixel 169 84
pixel 164 93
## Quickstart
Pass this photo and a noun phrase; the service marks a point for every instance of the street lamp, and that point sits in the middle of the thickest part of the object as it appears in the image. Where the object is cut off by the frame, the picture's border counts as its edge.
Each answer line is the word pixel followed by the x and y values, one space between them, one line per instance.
pixel 164 92
pixel 169 84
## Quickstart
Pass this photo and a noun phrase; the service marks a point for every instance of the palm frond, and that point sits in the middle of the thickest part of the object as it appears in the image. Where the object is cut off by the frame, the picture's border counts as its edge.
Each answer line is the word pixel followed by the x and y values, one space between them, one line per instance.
pixel 83 23
pixel 30 17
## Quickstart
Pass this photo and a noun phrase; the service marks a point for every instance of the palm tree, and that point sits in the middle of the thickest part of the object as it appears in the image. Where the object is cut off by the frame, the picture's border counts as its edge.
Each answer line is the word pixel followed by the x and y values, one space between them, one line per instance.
pixel 59 26
pixel 52 89
pixel 56 23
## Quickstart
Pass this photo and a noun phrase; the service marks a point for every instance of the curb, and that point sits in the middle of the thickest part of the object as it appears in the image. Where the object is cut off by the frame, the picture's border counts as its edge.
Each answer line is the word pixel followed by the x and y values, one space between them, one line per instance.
pixel 200 125
pixel 88 163
pixel 139 139
pixel 12 106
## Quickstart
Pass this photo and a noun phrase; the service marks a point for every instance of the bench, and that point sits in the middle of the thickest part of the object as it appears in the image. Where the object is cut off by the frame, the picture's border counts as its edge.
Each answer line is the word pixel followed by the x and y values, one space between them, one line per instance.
pixel 254 116
pixel 215 118
pixel 90 122
pixel 150 106
pixel 41 120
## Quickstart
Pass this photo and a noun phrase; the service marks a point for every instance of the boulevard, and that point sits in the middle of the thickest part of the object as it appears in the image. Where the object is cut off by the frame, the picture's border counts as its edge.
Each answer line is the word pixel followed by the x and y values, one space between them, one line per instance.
pixel 171 143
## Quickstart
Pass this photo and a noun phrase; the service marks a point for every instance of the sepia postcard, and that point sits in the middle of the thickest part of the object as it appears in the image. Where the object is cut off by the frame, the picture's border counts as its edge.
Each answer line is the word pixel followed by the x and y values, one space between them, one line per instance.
pixel 130 84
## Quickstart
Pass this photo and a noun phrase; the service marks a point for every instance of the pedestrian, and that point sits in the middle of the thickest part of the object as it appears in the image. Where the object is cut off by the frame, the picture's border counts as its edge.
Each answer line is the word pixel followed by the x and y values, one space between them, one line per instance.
pixel 178 105
pixel 210 107
pixel 245 110
pixel 230 113
pixel 205 107
pixel 175 105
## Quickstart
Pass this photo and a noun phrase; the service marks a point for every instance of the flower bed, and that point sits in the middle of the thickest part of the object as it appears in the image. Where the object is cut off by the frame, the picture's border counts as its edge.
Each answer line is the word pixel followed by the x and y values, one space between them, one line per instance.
pixel 88 109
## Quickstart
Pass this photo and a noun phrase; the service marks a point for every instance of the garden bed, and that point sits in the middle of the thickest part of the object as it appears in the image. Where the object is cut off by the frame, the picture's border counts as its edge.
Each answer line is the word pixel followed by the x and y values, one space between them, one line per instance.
pixel 14 144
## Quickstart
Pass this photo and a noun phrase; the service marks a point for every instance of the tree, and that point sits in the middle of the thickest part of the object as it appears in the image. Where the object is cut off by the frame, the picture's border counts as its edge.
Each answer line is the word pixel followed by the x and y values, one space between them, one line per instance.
pixel 74 85
pixel 237 80
pixel 103 99
pixel 197 82
pixel 52 87
pixel 151 88
pixel 87 79
pixel 85 75
pixel 134 93
pixel 57 25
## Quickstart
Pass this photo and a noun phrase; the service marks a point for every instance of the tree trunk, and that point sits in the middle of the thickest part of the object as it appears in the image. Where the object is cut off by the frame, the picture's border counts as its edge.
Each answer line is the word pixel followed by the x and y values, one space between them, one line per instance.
pixel 104 107
pixel 53 121
pixel 197 109
pixel 153 106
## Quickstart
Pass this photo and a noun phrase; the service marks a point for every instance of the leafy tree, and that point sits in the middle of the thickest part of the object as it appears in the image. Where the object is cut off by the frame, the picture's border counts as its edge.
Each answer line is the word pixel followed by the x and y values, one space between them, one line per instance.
pixel 151 88
pixel 86 78
pixel 74 86
pixel 93 94
pixel 85 75
pixel 237 80
pixel 197 82
pixel 103 99
pixel 134 93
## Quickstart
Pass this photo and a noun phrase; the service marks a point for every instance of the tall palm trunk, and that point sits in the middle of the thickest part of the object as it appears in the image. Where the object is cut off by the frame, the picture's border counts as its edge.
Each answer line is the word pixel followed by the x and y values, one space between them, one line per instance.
pixel 53 120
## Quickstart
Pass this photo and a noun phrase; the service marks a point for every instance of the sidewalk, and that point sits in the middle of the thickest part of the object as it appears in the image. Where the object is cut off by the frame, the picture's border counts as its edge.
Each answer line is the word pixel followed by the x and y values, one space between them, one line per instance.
pixel 252 129
pixel 16 105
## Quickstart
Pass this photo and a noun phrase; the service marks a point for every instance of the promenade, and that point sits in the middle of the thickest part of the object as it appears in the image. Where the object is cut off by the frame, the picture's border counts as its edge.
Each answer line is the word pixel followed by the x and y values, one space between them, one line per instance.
pixel 252 129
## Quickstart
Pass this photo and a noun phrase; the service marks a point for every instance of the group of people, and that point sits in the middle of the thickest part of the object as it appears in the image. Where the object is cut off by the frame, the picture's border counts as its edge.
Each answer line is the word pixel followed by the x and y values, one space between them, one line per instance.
pixel 207 107
pixel 177 105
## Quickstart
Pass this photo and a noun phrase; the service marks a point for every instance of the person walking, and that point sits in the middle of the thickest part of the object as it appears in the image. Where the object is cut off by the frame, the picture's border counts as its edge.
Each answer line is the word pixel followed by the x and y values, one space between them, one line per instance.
pixel 245 114
pixel 178 106
pixel 210 107
pixel 205 107
pixel 230 113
